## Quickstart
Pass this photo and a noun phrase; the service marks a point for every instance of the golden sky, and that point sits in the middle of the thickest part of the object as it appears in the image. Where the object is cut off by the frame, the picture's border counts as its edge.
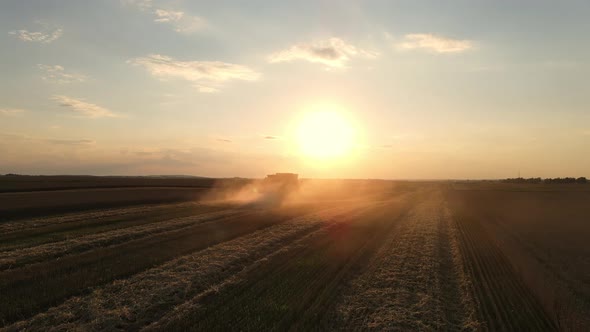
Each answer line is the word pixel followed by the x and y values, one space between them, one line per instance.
pixel 347 89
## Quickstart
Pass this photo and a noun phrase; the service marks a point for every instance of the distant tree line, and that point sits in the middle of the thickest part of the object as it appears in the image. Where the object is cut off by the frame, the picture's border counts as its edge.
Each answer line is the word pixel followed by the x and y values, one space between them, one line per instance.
pixel 547 180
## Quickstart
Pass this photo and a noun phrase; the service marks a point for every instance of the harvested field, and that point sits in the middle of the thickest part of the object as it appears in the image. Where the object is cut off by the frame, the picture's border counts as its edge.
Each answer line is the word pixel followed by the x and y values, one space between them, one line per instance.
pixel 411 281
pixel 543 232
pixel 416 256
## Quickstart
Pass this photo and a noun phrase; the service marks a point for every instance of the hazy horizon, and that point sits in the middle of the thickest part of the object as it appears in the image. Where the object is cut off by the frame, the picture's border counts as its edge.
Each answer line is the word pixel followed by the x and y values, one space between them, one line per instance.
pixel 375 89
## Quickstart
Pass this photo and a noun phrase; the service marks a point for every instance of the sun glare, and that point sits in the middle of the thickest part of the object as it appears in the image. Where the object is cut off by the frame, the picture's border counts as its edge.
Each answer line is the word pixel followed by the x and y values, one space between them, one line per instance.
pixel 325 133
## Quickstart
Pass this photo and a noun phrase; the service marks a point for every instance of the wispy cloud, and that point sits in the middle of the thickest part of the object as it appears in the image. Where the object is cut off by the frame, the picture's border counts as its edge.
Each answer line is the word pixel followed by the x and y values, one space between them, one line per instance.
pixel 83 108
pixel 207 76
pixel 11 111
pixel 141 4
pixel 206 89
pixel 44 37
pixel 270 137
pixel 434 43
pixel 78 142
pixel 13 137
pixel 225 140
pixel 181 21
pixel 559 65
pixel 165 157
pixel 58 74
pixel 164 16
pixel 333 52
pixel 54 141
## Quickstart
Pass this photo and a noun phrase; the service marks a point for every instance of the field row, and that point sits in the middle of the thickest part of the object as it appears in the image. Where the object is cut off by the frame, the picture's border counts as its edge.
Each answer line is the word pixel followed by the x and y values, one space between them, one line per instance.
pixel 140 299
pixel 293 287
pixel 504 301
pixel 411 283
pixel 544 237
pixel 19 257
pixel 89 219
pixel 35 287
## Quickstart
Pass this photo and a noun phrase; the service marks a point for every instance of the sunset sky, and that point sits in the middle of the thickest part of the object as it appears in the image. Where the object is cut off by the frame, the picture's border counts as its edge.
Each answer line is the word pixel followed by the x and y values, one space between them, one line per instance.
pixel 428 89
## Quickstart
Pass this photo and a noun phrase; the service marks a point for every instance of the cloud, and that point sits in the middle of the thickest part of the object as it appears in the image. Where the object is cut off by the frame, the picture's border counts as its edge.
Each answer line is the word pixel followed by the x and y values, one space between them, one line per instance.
pixel 44 37
pixel 141 4
pixel 35 139
pixel 333 52
pixel 206 89
pixel 178 19
pixel 181 22
pixel 166 157
pixel 83 108
pixel 58 74
pixel 225 140
pixel 143 153
pixel 78 142
pixel 270 137
pixel 14 137
pixel 11 111
pixel 167 16
pixel 207 76
pixel 434 43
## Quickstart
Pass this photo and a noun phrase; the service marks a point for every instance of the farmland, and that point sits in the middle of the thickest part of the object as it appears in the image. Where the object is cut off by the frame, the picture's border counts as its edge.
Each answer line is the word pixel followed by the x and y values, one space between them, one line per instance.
pixel 339 255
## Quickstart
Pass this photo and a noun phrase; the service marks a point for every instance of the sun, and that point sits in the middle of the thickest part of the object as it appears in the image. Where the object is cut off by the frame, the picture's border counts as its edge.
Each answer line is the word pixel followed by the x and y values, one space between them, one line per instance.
pixel 325 133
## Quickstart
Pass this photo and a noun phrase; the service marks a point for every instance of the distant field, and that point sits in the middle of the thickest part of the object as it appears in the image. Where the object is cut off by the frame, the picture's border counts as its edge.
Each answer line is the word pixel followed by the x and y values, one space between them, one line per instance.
pixel 40 203
pixel 29 196
pixel 339 255
pixel 38 183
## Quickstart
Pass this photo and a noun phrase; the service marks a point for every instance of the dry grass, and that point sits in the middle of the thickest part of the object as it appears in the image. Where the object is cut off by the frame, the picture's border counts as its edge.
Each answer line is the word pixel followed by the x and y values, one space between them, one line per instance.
pixel 410 284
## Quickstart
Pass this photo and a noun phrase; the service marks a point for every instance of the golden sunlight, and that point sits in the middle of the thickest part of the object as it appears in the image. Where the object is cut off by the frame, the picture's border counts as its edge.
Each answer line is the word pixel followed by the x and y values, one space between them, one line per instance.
pixel 325 133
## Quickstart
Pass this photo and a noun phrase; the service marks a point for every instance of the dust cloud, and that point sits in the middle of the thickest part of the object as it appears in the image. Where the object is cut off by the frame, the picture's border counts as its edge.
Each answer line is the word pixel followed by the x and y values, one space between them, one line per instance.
pixel 259 193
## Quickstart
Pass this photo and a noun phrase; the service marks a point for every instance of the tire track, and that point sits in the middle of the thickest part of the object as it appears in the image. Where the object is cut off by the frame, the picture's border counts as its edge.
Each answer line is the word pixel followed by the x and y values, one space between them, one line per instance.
pixel 504 301
pixel 448 274
pixel 470 321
